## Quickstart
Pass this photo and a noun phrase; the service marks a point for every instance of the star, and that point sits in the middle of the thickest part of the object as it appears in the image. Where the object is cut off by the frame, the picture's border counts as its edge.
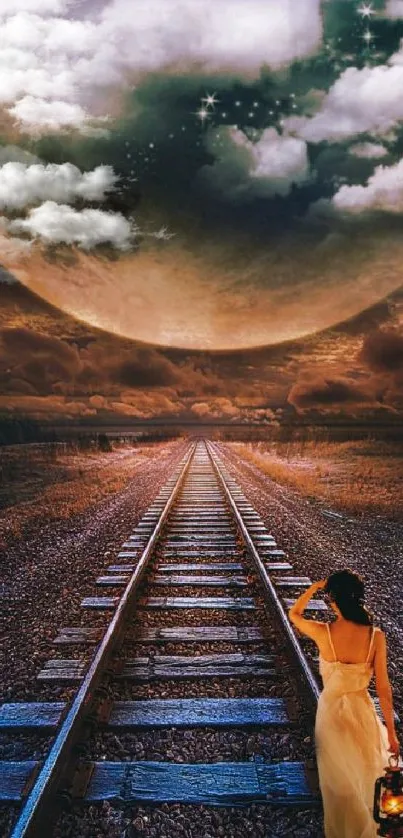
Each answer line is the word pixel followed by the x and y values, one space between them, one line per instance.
pixel 366 10
pixel 256 104
pixel 237 103
pixel 203 114
pixel 367 36
pixel 210 99
pixel 163 234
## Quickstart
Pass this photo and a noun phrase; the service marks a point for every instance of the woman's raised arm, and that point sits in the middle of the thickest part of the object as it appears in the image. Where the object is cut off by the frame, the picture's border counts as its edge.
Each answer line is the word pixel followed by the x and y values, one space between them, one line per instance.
pixel 309 627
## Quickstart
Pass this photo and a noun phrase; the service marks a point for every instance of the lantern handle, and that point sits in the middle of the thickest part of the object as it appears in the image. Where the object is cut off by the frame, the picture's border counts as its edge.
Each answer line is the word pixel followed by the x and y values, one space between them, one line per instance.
pixel 394 759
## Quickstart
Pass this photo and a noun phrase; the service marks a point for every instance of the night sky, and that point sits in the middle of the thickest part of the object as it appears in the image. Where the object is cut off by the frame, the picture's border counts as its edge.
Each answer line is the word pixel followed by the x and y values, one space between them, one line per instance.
pixel 210 198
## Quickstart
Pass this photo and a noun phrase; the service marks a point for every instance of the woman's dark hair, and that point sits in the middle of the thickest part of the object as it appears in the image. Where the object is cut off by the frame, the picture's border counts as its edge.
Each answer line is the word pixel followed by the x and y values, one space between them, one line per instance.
pixel 346 589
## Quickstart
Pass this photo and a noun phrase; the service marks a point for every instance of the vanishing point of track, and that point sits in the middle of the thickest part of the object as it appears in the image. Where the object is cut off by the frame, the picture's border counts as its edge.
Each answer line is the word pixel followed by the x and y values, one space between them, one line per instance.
pixel 202 553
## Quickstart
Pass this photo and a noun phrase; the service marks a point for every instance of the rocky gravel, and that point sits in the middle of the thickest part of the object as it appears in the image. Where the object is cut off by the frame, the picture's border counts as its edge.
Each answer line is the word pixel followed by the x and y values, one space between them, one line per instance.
pixel 173 820
pixel 47 574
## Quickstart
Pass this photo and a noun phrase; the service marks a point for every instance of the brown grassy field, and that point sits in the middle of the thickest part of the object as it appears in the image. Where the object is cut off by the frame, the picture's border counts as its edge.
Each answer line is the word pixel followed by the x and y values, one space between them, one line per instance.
pixel 353 477
pixel 45 483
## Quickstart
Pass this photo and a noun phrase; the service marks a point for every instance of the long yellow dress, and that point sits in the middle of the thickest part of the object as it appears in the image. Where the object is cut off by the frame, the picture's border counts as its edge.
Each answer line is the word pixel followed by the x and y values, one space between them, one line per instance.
pixel 351 747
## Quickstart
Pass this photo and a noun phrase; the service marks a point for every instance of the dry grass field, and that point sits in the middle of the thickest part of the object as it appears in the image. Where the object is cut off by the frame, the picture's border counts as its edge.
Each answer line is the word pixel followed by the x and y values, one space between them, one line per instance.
pixel 353 477
pixel 48 482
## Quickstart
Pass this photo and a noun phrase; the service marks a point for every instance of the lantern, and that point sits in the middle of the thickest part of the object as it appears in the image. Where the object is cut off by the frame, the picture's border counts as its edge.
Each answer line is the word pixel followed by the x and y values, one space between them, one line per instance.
pixel 388 800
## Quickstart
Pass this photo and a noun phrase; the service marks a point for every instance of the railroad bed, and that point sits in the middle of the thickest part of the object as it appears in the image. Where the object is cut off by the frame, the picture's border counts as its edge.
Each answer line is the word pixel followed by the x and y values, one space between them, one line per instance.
pixel 184 682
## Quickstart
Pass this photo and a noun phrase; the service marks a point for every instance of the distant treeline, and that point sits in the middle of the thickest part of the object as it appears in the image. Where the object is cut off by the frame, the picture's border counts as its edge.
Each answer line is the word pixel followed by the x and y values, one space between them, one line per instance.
pixel 19 430
pixel 15 430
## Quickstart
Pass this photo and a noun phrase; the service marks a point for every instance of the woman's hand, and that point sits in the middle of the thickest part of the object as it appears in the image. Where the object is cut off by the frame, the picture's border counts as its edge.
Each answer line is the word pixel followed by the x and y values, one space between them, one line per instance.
pixel 394 744
pixel 317 585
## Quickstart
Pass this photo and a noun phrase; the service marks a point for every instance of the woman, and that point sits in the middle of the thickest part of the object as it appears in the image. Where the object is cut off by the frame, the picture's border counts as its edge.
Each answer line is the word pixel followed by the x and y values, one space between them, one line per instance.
pixel 352 745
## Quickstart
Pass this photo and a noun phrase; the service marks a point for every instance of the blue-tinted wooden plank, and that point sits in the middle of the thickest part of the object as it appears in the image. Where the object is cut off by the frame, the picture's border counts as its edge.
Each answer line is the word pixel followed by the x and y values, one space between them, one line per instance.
pixel 121 568
pixel 173 667
pixel 111 581
pixel 206 712
pixel 215 784
pixel 209 567
pixel 200 581
pixel 32 714
pixel 201 551
pixel 13 779
pixel 99 603
pixel 199 634
pixel 226 603
pixel 78 634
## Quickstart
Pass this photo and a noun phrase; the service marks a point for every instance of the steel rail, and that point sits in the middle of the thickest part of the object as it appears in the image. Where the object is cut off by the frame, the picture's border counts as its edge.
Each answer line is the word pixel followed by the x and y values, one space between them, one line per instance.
pixel 33 821
pixel 310 682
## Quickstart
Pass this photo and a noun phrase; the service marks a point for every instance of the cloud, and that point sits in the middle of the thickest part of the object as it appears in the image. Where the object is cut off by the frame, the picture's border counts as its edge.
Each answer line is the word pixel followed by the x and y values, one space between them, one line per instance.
pixel 382 350
pixel 365 100
pixel 45 406
pixel 35 113
pixel 368 150
pixel 40 360
pixel 22 184
pixel 11 248
pixel 259 32
pixel 46 55
pixel 146 368
pixel 394 9
pixel 245 170
pixel 37 6
pixel 323 392
pixel 60 223
pixel 219 408
pixel 383 192
pixel 15 154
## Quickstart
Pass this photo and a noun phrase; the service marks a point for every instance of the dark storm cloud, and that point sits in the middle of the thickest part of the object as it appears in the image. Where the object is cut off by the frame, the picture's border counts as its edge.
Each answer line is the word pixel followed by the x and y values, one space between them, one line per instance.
pixel 20 340
pixel 38 360
pixel 146 368
pixel 6 277
pixel 382 351
pixel 324 392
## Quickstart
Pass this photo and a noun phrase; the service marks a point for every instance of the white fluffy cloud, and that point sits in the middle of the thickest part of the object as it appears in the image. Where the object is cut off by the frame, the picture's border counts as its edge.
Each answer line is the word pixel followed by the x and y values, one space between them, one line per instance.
pixel 56 223
pixel 50 64
pixel 371 151
pixel 366 100
pixel 383 192
pixel 245 170
pixel 22 185
pixel 39 6
pixel 394 9
pixel 36 114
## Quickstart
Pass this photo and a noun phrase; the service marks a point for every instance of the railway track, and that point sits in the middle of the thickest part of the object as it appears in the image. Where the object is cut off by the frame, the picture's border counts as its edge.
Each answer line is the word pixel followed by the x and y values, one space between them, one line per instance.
pixel 187 631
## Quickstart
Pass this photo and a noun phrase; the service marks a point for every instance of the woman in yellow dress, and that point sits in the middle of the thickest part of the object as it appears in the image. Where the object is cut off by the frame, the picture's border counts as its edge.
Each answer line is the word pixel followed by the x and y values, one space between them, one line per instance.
pixel 352 745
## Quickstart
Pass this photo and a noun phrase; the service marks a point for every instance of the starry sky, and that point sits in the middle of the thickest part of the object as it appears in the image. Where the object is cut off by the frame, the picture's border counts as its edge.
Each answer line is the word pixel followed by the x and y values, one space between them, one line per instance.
pixel 201 208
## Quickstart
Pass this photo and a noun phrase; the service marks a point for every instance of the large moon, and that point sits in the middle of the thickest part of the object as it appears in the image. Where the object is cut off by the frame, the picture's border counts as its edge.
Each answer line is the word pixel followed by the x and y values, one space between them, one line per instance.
pixel 170 295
